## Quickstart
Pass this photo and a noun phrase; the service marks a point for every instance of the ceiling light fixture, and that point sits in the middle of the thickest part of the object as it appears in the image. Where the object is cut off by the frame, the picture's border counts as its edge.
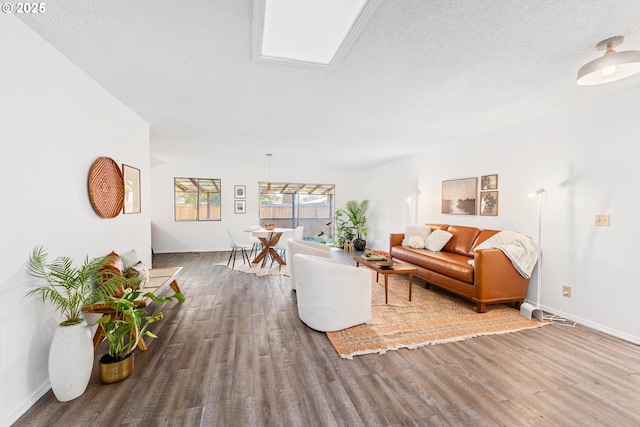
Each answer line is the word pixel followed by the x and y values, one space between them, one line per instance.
pixel 269 190
pixel 611 66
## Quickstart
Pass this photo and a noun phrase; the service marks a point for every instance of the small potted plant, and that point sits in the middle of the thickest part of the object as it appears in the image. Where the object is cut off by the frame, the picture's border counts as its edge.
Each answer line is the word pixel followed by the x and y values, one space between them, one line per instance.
pixel 125 326
pixel 67 289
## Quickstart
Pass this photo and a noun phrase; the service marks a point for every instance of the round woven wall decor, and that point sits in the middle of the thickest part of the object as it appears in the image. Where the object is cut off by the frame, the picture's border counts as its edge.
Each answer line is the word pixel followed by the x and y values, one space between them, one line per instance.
pixel 106 187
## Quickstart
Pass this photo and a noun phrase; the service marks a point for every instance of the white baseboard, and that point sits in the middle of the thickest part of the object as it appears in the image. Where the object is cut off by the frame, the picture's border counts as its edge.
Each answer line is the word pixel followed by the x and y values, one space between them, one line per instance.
pixel 28 403
pixel 598 327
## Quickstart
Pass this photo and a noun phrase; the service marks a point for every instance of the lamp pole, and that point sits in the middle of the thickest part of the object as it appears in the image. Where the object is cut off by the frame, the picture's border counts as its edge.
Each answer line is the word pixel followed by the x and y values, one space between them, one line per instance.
pixel 539 247
pixel 527 309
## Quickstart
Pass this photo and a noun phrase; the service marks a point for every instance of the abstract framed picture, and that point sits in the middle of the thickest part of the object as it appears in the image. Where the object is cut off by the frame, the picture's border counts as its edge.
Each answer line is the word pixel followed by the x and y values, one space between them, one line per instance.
pixel 131 177
pixel 240 206
pixel 459 196
pixel 489 203
pixel 241 191
pixel 489 182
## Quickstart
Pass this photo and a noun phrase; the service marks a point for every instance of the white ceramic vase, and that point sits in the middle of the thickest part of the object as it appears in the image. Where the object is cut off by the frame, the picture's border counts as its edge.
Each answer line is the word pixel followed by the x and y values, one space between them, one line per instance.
pixel 70 361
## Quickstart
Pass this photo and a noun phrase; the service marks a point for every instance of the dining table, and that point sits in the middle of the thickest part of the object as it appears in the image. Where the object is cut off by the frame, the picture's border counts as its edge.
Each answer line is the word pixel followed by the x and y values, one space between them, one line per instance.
pixel 268 238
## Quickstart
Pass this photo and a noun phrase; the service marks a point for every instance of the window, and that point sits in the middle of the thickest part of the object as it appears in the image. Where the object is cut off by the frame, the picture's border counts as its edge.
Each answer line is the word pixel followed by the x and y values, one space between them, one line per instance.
pixel 289 205
pixel 196 199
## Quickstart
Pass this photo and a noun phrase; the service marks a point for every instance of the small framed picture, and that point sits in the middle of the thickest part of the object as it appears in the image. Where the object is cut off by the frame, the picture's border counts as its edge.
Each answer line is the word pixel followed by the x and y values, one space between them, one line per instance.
pixel 131 177
pixel 489 203
pixel 240 206
pixel 241 191
pixel 489 182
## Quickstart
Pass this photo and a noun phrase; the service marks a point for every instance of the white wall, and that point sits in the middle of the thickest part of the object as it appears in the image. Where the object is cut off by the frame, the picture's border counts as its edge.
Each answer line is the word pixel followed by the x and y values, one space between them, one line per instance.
pixel 199 236
pixel 586 158
pixel 54 123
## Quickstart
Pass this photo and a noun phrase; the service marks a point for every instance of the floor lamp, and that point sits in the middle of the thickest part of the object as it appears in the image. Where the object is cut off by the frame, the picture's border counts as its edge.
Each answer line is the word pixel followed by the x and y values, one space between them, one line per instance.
pixel 526 309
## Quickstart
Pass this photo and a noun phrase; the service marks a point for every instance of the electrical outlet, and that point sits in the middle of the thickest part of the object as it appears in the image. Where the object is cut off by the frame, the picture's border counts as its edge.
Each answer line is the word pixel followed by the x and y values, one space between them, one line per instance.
pixel 566 291
pixel 602 220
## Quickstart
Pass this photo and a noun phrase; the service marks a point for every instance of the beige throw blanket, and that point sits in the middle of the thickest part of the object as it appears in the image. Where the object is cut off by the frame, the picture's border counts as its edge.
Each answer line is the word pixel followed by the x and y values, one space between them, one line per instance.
pixel 521 249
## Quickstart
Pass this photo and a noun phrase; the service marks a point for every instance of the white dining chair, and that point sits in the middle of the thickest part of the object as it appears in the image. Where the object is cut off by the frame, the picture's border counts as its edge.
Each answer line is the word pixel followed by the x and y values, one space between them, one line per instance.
pixel 235 247
pixel 299 232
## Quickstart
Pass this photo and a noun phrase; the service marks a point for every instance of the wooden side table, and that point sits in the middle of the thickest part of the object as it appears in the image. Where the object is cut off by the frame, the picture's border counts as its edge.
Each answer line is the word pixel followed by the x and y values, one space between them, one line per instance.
pixel 398 268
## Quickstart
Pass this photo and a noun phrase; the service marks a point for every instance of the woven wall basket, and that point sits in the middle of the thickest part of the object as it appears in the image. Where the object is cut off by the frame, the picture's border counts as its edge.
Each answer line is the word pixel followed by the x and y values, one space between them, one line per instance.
pixel 106 187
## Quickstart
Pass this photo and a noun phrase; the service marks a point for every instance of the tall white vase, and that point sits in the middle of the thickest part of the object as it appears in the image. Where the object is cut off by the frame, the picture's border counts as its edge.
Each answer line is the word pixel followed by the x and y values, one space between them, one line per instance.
pixel 70 361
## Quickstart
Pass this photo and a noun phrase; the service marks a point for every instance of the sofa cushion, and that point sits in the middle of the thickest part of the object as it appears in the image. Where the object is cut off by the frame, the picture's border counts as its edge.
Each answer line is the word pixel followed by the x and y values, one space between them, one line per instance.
pixel 449 264
pixel 437 240
pixel 410 231
pixel 482 236
pixel 111 266
pixel 463 238
pixel 440 226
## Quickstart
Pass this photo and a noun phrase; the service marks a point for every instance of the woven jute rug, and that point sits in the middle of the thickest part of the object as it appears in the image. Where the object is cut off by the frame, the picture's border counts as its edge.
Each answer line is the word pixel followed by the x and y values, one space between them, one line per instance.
pixel 432 317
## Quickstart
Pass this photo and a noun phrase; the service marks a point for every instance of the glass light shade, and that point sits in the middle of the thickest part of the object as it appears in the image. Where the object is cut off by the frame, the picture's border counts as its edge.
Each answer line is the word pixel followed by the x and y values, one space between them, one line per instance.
pixel 610 67
pixel 538 191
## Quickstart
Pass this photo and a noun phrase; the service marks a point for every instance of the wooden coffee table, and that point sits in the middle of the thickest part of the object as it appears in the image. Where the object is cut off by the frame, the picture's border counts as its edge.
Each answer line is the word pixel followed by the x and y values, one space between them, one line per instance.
pixel 398 268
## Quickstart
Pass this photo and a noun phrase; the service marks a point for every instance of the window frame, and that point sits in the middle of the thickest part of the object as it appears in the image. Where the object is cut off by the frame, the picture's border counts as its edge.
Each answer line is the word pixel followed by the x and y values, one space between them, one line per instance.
pixel 216 182
pixel 313 226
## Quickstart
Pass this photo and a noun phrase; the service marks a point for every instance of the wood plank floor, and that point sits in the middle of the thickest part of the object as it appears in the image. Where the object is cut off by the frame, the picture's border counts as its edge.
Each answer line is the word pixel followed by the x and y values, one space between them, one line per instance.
pixel 236 353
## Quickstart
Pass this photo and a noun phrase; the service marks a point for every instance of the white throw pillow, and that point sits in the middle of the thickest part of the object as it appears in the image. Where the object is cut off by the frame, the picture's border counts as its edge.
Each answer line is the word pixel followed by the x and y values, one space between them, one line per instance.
pixel 129 259
pixel 437 239
pixel 143 274
pixel 416 242
pixel 410 231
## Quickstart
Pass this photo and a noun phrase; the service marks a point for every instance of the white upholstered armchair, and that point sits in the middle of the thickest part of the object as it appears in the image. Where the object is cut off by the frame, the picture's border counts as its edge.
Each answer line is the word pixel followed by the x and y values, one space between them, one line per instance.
pixel 299 246
pixel 331 296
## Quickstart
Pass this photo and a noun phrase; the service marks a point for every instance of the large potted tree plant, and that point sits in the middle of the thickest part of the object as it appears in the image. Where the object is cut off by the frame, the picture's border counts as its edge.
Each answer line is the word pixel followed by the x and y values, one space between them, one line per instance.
pixel 356 213
pixel 126 325
pixel 67 289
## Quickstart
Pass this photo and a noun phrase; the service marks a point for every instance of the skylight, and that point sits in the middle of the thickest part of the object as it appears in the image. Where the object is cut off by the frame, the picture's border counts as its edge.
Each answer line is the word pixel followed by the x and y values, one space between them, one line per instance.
pixel 314 33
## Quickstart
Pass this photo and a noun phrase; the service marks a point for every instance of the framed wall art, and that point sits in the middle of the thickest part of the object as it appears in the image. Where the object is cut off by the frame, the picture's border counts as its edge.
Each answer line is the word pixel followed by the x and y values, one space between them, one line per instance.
pixel 241 191
pixel 459 196
pixel 240 206
pixel 131 178
pixel 489 203
pixel 489 182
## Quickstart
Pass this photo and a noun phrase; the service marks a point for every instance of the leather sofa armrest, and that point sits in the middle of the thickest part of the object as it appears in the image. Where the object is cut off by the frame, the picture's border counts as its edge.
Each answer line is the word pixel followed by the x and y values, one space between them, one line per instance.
pixel 496 277
pixel 395 239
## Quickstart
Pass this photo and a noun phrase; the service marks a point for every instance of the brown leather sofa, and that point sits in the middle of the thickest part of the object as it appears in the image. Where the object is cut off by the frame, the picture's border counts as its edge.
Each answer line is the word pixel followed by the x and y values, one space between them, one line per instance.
pixel 492 279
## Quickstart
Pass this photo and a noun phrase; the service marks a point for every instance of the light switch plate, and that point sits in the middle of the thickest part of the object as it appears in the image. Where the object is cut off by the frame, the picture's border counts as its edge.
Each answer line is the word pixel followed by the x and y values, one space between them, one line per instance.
pixel 602 220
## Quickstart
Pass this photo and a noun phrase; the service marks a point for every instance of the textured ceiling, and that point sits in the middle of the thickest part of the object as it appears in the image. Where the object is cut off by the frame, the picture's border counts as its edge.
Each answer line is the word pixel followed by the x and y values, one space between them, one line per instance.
pixel 420 73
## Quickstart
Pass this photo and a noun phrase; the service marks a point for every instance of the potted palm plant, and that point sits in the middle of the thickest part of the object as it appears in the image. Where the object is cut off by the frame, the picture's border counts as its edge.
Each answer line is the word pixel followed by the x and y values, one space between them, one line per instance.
pixel 67 289
pixel 125 326
pixel 356 213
